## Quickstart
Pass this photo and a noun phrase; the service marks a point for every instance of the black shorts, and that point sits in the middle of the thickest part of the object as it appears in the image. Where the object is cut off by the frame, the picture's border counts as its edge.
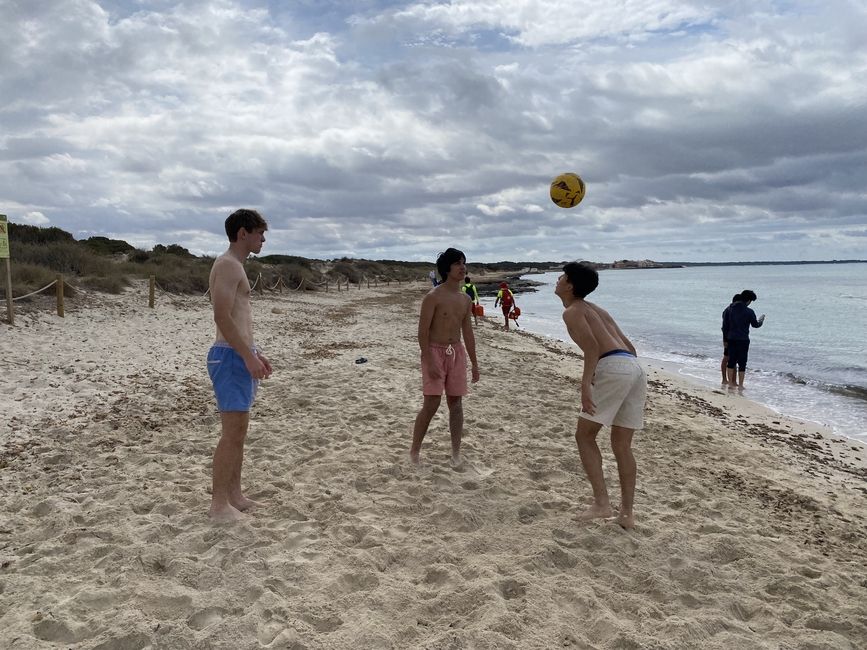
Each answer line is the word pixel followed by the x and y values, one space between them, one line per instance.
pixel 738 353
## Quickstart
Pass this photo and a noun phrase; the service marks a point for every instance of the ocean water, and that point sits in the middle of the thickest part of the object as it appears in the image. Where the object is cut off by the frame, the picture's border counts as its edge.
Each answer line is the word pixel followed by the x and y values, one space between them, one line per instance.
pixel 809 360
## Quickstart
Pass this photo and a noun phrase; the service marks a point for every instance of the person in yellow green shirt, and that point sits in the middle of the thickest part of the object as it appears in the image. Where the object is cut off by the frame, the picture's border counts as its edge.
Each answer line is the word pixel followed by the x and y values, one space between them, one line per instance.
pixel 473 294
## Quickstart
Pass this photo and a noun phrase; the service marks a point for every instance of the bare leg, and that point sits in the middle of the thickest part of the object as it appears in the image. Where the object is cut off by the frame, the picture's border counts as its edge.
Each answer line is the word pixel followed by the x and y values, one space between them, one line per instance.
pixel 456 426
pixel 723 367
pixel 236 497
pixel 621 445
pixel 731 373
pixel 741 374
pixel 591 459
pixel 227 465
pixel 422 421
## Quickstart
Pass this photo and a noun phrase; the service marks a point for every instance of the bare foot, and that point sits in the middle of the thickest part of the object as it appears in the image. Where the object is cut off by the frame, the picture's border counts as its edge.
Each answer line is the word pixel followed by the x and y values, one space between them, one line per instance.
pixel 456 461
pixel 413 457
pixel 242 503
pixel 626 521
pixel 225 514
pixel 595 512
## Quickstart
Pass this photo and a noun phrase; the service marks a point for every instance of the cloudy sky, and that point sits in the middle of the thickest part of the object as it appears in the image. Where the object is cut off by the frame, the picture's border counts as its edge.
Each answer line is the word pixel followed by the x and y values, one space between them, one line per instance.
pixel 724 130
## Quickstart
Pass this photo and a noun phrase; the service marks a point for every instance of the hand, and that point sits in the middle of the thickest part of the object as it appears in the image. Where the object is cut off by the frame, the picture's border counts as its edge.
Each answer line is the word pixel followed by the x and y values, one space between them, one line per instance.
pixel 266 363
pixel 255 367
pixel 762 318
pixel 587 405
pixel 475 373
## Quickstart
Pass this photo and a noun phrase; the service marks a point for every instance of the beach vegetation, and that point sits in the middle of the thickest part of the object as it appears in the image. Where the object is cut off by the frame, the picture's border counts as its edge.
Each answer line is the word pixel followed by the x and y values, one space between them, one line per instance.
pixel 101 263
pixel 105 283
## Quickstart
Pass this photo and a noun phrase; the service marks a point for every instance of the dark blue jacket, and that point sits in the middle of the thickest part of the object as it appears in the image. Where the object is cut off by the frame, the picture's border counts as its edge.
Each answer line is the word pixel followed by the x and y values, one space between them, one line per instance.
pixel 737 319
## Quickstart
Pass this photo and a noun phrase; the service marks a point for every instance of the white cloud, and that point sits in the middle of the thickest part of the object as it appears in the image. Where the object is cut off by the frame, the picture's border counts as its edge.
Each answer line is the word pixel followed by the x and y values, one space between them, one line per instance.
pixel 694 127
pixel 35 219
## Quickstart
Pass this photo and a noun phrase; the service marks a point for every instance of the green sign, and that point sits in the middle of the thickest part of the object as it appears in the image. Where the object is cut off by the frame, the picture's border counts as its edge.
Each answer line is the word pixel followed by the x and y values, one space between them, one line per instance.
pixel 4 237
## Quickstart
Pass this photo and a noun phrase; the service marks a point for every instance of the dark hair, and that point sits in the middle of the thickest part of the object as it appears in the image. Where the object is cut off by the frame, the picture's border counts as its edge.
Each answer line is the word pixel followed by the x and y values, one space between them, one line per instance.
pixel 446 259
pixel 748 295
pixel 736 297
pixel 467 279
pixel 583 278
pixel 244 218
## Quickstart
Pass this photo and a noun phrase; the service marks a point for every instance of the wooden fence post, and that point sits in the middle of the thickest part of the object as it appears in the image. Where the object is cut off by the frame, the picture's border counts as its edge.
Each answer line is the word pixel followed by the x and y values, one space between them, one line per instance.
pixel 9 305
pixel 152 290
pixel 60 310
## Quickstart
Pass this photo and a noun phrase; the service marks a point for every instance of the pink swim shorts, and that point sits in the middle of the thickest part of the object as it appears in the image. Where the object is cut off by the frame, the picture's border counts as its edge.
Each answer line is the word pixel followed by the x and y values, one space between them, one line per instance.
pixel 451 361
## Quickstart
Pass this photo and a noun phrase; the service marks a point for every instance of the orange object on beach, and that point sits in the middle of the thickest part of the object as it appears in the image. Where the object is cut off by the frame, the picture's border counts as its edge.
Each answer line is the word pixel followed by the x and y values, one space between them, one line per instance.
pixel 478 310
pixel 516 311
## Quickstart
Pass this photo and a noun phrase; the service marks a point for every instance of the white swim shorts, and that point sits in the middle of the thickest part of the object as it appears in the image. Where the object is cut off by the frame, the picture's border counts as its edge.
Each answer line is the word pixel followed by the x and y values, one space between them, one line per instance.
pixel 619 392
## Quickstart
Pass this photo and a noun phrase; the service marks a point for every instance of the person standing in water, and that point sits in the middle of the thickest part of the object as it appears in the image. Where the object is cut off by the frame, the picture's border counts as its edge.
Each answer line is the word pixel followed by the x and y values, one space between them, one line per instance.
pixel 737 321
pixel 723 365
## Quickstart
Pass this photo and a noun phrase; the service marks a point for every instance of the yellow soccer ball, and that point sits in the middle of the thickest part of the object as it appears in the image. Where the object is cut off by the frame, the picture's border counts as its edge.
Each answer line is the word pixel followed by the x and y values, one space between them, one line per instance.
pixel 567 190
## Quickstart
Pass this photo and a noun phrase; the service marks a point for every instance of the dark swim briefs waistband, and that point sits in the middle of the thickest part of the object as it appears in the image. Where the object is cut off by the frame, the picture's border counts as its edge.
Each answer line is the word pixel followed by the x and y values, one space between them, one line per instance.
pixel 618 351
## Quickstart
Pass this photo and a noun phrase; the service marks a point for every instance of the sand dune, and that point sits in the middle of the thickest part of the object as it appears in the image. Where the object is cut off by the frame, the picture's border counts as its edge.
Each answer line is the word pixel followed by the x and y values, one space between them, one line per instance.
pixel 750 528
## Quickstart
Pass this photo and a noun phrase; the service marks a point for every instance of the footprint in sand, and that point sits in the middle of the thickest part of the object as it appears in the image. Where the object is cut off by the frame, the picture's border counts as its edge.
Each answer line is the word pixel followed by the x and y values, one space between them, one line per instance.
pixel 206 617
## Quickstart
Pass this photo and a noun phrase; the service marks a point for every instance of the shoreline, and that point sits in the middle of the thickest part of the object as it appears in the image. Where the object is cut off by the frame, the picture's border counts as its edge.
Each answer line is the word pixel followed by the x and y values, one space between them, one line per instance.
pixel 834 400
pixel 748 534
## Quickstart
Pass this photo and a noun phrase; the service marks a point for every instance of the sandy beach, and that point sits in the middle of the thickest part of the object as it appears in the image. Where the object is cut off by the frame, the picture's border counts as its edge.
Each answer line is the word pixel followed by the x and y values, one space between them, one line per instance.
pixel 750 528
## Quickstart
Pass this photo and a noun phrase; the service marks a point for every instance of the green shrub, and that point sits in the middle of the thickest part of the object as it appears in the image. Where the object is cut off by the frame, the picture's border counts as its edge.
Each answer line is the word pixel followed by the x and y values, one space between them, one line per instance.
pixel 70 258
pixel 106 246
pixel 23 234
pixel 27 278
pixel 138 256
pixel 107 284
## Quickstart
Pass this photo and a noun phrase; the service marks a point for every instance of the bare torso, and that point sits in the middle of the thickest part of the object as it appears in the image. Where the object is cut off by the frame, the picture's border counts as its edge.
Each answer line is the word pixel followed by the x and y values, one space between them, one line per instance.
pixel 229 284
pixel 450 310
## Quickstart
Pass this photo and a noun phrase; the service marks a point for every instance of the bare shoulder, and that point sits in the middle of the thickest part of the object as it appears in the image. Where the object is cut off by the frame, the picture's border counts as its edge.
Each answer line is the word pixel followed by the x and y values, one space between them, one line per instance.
pixel 597 310
pixel 226 264
pixel 226 270
pixel 431 297
pixel 574 312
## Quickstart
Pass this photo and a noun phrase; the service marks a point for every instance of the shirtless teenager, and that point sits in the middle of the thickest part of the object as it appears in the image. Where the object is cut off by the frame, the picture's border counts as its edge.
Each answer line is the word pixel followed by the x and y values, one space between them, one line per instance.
pixel 445 314
pixel 613 390
pixel 235 364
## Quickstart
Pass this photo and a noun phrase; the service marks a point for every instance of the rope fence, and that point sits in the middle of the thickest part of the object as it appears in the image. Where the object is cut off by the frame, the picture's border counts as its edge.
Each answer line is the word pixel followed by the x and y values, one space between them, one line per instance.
pixel 258 285
pixel 58 292
pixel 33 293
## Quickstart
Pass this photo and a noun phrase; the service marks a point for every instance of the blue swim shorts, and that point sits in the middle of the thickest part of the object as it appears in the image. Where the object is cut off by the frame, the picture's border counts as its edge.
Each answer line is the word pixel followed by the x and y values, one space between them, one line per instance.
pixel 234 386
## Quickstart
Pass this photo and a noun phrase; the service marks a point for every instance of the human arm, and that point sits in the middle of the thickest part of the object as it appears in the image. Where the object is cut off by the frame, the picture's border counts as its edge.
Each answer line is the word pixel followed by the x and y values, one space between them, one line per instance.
pixel 470 343
pixel 725 326
pixel 579 331
pixel 754 321
pixel 425 318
